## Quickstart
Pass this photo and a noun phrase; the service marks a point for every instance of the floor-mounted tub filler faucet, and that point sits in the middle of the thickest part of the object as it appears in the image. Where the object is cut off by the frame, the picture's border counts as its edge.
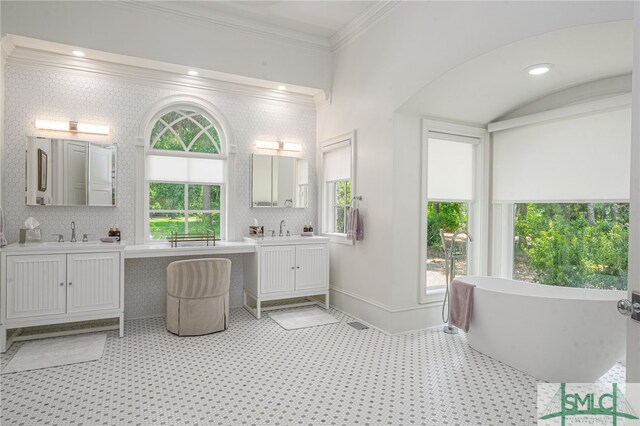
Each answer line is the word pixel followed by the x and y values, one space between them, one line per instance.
pixel 450 273
pixel 73 232
pixel 282 225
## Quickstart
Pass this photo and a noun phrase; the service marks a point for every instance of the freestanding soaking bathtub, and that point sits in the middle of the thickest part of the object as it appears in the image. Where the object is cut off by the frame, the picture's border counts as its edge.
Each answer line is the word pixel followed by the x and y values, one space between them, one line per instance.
pixel 556 334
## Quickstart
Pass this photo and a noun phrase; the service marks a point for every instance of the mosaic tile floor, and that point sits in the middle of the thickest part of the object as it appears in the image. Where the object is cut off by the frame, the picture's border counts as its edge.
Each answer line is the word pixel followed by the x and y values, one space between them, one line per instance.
pixel 258 373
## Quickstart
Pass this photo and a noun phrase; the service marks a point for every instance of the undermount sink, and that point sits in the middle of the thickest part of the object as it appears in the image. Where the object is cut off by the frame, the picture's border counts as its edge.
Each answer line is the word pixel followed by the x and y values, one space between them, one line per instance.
pixel 67 244
pixel 284 239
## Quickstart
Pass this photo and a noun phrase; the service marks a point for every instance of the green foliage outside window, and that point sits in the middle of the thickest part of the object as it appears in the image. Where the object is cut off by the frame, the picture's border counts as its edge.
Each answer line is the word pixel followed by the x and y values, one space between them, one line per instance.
pixel 449 216
pixel 342 205
pixel 573 245
pixel 171 196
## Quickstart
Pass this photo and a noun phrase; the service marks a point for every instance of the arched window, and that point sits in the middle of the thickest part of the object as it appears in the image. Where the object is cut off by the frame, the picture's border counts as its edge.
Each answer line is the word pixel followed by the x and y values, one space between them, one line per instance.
pixel 185 174
pixel 186 131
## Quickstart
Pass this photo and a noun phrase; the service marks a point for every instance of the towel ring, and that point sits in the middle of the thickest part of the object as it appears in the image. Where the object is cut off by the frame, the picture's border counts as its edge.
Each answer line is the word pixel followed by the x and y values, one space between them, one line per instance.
pixel 357 199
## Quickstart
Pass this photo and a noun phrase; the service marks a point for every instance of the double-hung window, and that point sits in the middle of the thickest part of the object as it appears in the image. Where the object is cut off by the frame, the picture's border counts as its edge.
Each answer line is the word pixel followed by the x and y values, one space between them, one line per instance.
pixel 338 185
pixel 450 161
pixel 185 176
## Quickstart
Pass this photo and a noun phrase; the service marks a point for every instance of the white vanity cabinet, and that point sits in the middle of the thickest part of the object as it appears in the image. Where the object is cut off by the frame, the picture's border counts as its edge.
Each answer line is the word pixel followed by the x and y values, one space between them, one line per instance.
pixel 286 268
pixel 53 284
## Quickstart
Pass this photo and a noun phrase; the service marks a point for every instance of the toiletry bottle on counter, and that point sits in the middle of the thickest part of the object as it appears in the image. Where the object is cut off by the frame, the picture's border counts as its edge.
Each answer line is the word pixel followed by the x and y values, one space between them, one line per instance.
pixel 310 227
pixel 116 232
pixel 112 231
pixel 306 227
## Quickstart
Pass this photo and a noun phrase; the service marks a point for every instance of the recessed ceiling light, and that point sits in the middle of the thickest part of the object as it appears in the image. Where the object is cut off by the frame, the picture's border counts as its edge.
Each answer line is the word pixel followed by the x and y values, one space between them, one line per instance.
pixel 539 69
pixel 192 72
pixel 281 87
pixel 78 53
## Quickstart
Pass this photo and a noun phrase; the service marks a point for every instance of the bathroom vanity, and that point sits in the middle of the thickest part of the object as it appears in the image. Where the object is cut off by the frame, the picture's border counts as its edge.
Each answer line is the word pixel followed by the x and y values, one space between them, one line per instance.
pixel 55 283
pixel 286 268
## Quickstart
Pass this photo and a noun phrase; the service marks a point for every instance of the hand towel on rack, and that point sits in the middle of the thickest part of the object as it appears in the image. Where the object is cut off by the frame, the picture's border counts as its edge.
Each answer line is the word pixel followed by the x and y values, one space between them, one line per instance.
pixel 355 226
pixel 3 240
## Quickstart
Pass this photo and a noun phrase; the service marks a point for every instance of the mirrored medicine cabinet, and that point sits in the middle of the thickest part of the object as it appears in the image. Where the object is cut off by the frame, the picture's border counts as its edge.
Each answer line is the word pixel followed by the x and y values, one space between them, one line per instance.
pixel 61 172
pixel 279 181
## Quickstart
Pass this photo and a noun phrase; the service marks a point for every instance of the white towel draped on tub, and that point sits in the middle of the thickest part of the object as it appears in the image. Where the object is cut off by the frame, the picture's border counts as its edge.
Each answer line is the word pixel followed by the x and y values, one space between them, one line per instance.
pixel 355 227
pixel 3 240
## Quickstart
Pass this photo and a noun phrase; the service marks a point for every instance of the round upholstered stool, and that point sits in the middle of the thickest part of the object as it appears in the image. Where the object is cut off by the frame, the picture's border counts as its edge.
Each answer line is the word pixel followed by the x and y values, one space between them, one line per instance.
pixel 198 296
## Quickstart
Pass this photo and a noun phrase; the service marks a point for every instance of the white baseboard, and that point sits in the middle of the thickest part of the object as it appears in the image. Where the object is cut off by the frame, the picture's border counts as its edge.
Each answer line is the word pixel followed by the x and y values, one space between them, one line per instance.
pixel 389 320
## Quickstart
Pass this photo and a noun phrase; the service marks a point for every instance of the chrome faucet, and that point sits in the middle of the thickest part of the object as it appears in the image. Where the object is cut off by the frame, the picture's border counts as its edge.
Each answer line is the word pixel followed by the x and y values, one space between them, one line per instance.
pixel 73 232
pixel 282 225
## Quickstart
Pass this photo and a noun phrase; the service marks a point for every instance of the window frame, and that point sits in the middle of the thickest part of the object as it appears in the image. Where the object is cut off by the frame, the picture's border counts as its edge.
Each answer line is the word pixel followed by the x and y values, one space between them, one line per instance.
pixel 478 208
pixel 204 109
pixel 333 206
pixel 325 203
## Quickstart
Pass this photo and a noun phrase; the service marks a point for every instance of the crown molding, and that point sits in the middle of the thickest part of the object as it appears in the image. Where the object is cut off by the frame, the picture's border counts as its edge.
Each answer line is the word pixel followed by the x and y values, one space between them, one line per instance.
pixel 322 99
pixel 42 59
pixel 246 25
pixel 362 23
pixel 7 47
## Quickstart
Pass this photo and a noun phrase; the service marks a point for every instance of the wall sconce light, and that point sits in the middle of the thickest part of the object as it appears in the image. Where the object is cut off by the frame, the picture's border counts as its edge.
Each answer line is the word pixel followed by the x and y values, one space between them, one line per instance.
pixel 279 146
pixel 72 126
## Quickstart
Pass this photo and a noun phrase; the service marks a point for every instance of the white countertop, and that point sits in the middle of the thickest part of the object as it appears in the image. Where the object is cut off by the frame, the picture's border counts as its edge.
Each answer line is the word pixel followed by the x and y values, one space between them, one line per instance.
pixel 293 239
pixel 164 249
pixel 161 249
pixel 66 247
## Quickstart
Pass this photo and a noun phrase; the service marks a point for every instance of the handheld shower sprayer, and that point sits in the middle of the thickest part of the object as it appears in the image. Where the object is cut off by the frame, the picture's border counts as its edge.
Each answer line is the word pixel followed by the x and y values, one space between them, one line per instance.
pixel 450 273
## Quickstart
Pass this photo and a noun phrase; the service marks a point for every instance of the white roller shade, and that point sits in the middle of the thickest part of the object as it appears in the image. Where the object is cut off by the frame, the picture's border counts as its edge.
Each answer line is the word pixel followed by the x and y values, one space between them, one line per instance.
pixel 573 159
pixel 337 164
pixel 450 170
pixel 184 169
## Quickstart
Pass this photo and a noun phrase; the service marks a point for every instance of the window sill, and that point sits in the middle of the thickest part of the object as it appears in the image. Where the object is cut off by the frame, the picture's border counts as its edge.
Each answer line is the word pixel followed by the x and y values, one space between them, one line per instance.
pixel 339 238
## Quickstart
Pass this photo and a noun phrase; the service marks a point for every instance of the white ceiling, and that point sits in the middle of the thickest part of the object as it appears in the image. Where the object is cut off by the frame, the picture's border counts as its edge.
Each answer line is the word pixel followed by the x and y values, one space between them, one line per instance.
pixel 491 85
pixel 316 18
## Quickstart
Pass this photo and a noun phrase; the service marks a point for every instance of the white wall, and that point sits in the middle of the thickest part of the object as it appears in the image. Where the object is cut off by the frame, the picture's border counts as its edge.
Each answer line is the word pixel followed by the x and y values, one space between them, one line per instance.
pixel 33 92
pixel 143 32
pixel 378 279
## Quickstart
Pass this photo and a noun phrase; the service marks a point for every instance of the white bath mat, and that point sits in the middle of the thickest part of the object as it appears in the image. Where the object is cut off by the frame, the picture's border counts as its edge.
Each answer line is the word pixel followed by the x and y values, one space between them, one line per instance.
pixel 302 318
pixel 55 352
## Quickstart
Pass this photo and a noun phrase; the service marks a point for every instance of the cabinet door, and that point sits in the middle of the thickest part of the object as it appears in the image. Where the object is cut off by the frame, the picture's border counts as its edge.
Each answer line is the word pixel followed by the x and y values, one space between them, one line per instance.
pixel 93 281
pixel 311 266
pixel 277 269
pixel 36 285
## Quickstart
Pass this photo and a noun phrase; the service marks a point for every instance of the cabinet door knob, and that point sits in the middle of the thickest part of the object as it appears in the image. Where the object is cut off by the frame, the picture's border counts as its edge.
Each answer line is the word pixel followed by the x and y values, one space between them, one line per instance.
pixel 293 267
pixel 297 267
pixel 61 284
pixel 70 283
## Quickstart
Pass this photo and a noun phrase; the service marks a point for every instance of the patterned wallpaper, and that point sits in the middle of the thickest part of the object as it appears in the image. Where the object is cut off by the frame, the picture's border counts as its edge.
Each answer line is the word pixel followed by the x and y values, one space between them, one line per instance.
pixel 121 103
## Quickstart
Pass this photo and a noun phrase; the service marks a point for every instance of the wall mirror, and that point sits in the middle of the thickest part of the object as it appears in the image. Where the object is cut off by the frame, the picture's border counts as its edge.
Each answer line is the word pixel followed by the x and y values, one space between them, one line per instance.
pixel 279 181
pixel 64 172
